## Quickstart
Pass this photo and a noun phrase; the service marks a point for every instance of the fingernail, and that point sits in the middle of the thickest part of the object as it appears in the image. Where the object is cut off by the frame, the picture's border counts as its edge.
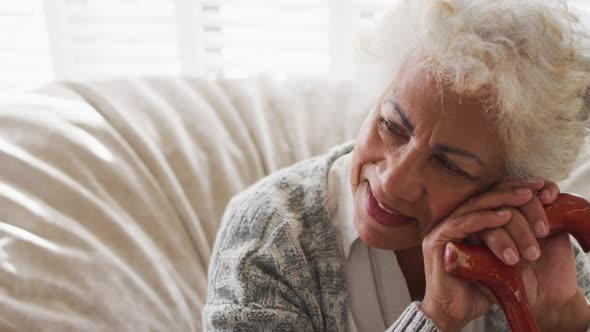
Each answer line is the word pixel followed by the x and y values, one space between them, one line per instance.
pixel 540 228
pixel 522 191
pixel 533 253
pixel 510 256
pixel 503 213
pixel 544 193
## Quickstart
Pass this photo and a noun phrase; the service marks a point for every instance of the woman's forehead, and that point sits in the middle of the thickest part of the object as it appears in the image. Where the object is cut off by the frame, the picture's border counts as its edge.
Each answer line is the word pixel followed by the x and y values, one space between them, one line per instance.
pixel 414 88
pixel 447 118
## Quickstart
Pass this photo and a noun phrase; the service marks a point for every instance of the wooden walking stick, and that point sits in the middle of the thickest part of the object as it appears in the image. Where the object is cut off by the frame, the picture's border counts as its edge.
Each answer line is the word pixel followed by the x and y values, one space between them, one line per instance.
pixel 569 213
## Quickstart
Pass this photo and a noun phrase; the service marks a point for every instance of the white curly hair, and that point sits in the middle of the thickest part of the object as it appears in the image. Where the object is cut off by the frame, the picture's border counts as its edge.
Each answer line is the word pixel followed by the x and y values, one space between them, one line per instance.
pixel 530 55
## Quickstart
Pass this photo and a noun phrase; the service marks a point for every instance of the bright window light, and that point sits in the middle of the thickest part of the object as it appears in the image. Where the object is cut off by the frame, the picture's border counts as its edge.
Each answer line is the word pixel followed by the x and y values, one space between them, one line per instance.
pixel 45 40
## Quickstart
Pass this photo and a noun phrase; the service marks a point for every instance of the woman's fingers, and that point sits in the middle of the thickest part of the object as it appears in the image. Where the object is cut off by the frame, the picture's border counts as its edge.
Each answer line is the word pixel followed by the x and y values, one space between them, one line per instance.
pixel 513 240
pixel 501 244
pixel 548 193
pixel 459 227
pixel 508 220
pixel 496 199
pixel 533 184
pixel 479 213
pixel 520 232
pixel 534 213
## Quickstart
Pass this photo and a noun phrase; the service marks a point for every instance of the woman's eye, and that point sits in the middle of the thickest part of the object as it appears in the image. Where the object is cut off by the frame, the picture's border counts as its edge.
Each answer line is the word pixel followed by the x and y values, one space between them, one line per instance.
pixel 392 128
pixel 451 167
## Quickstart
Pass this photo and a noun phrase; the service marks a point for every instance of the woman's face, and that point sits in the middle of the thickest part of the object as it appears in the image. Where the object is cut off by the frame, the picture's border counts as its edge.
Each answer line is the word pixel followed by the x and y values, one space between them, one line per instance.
pixel 419 155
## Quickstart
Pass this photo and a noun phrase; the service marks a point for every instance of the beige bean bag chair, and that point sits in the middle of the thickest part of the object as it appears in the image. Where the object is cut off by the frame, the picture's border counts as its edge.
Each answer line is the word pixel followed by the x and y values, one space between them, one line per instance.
pixel 111 192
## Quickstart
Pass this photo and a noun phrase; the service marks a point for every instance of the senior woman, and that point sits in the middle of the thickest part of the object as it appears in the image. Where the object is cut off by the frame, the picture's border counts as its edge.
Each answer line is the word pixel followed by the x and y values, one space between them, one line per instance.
pixel 484 100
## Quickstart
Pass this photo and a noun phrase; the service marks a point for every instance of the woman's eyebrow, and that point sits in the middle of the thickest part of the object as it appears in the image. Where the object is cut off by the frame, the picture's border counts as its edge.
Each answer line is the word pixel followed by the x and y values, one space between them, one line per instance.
pixel 400 111
pixel 449 149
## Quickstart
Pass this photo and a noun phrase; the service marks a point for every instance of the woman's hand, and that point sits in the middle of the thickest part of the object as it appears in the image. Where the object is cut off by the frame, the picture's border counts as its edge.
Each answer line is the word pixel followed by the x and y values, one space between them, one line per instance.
pixel 550 277
pixel 551 280
pixel 518 238
pixel 449 302
pixel 552 288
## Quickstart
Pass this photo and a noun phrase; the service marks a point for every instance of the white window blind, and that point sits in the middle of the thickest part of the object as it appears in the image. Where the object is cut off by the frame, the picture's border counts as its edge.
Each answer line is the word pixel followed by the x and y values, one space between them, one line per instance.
pixel 284 37
pixel 368 10
pixel 24 49
pixel 42 40
pixel 104 38
pixel 581 4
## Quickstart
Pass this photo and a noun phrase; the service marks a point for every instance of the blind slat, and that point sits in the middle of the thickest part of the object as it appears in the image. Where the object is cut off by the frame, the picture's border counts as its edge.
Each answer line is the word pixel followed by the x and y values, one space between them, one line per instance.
pixel 101 38
pixel 286 4
pixel 113 38
pixel 24 48
pixel 281 39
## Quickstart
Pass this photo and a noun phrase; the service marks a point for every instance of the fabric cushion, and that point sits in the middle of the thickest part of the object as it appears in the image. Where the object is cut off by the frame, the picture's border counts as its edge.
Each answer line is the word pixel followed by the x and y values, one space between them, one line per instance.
pixel 112 191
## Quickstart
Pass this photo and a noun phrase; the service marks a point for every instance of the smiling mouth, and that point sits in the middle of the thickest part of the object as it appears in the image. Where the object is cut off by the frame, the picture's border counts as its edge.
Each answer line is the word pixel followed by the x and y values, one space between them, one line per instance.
pixel 385 208
pixel 382 214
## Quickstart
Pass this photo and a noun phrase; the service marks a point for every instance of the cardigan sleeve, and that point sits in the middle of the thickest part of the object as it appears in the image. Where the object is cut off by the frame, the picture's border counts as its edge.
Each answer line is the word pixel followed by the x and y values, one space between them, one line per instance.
pixel 413 319
pixel 264 276
pixel 246 294
pixel 248 287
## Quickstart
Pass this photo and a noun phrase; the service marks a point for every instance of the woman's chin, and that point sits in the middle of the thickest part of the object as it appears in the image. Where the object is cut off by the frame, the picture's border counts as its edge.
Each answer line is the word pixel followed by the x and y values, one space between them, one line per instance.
pixel 388 239
pixel 379 236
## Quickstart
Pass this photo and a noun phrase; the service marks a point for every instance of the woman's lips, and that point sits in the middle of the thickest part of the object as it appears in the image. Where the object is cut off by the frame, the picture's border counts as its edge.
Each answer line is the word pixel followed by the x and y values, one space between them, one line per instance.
pixel 381 214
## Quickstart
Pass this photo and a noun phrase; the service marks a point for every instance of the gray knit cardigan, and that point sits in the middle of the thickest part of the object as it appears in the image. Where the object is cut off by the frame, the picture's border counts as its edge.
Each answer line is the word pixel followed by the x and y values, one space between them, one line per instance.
pixel 277 266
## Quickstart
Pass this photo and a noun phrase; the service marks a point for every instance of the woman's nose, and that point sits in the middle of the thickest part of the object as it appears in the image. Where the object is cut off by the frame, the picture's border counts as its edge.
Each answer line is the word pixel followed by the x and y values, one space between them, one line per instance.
pixel 401 177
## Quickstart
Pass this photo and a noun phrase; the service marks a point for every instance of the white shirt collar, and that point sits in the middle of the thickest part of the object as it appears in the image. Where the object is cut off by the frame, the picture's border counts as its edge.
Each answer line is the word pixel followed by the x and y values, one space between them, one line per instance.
pixel 340 203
